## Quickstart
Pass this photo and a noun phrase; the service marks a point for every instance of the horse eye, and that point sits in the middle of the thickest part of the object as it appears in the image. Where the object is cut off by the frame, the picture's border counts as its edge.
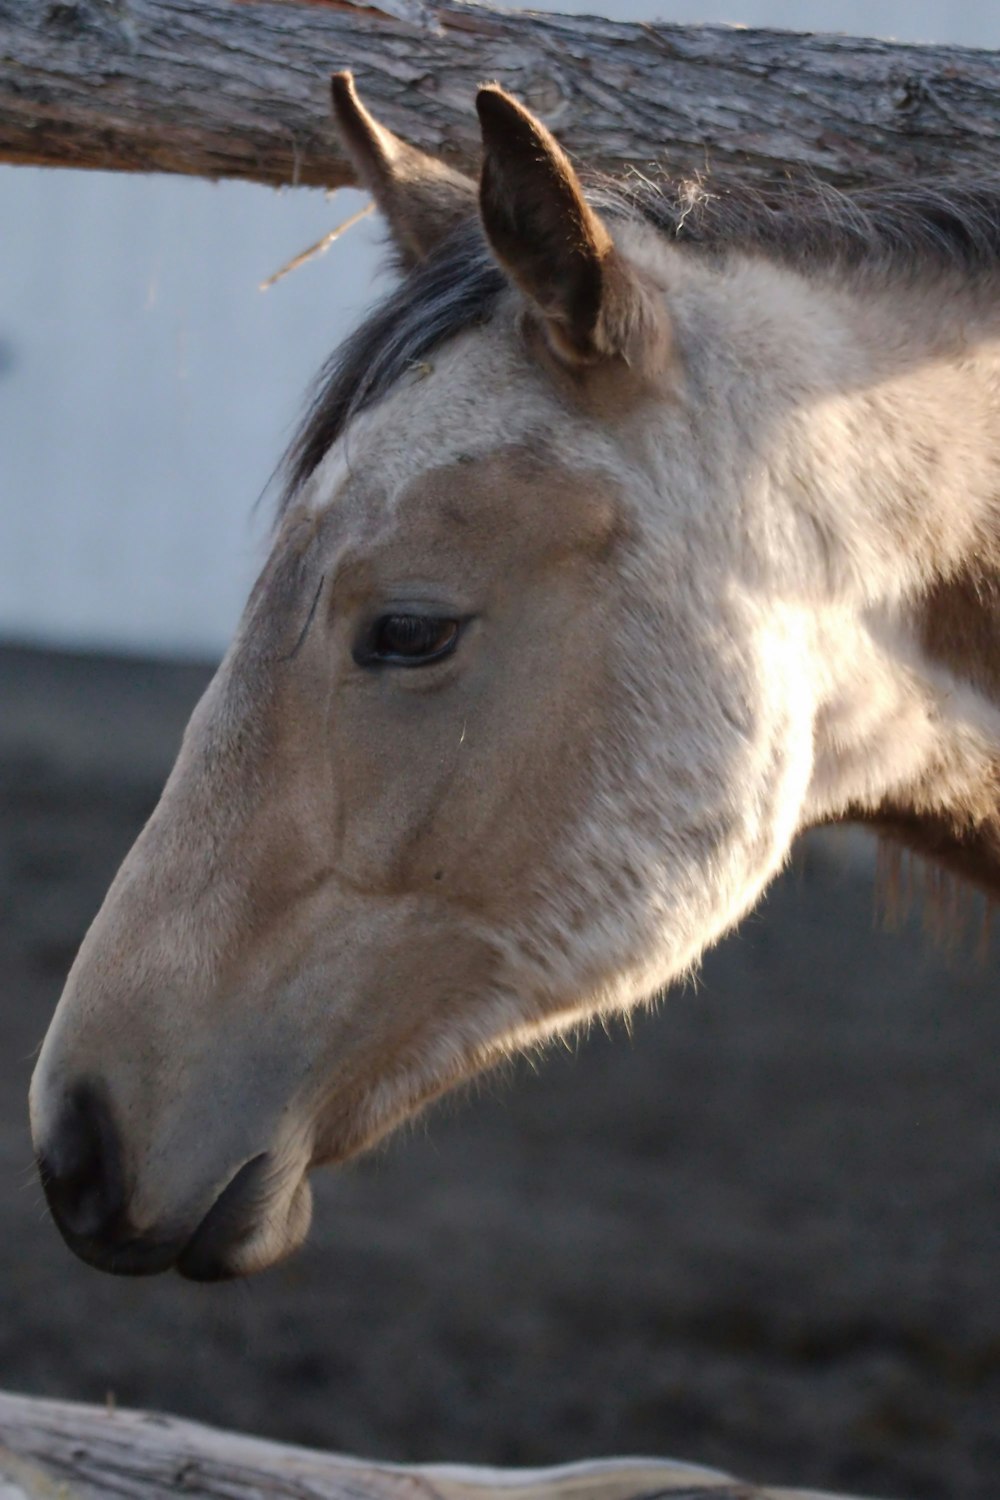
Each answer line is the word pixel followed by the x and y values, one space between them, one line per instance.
pixel 410 640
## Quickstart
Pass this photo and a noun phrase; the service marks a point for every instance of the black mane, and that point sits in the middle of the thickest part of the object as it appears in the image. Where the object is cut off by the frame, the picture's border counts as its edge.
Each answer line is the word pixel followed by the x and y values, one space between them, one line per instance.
pixel 455 288
pixel 906 231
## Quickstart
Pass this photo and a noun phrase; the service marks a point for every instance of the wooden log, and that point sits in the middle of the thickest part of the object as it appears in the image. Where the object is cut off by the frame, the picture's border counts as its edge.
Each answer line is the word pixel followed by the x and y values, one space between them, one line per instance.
pixel 238 88
pixel 54 1448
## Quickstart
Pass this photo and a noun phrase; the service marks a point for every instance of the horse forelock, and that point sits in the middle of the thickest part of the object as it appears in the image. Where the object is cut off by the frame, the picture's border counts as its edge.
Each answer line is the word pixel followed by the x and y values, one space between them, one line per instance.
pixel 455 288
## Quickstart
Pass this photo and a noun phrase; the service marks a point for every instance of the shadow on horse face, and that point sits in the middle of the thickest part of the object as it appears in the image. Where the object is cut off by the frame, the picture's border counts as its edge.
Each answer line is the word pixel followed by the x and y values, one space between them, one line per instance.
pixel 550 662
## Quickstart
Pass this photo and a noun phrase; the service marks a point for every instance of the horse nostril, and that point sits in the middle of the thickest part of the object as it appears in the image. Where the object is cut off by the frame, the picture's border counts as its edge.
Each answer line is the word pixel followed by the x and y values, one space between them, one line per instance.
pixel 81 1167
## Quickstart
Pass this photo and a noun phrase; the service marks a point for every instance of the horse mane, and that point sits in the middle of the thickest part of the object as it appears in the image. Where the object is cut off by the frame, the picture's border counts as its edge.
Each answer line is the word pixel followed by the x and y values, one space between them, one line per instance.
pixel 904 229
pixel 914 232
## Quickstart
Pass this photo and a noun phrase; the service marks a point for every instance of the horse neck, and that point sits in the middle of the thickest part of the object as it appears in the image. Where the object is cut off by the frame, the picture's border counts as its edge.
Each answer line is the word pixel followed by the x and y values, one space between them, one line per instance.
pixel 891 455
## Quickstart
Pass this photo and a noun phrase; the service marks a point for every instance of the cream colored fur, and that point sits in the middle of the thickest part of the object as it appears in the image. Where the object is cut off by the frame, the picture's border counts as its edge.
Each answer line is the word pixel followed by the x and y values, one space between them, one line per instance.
pixel 694 592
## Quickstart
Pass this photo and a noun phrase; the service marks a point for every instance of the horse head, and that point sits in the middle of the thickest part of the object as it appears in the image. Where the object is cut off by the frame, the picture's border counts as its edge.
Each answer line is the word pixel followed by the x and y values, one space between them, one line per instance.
pixel 520 716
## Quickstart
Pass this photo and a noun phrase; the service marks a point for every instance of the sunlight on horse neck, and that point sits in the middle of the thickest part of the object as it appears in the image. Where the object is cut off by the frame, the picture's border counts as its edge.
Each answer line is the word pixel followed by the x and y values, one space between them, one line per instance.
pixel 874 458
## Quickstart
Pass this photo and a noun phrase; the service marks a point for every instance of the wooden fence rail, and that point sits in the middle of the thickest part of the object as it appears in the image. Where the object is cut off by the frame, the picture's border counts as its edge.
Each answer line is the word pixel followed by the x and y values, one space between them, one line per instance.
pixel 238 88
pixel 54 1450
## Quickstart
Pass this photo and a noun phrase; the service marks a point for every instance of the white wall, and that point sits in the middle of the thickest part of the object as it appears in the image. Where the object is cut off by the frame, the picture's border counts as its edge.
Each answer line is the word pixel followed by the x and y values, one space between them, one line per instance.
pixel 147 387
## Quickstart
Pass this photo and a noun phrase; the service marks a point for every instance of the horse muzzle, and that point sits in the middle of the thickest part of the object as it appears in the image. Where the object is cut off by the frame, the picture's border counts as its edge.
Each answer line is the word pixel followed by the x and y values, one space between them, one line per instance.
pixel 258 1216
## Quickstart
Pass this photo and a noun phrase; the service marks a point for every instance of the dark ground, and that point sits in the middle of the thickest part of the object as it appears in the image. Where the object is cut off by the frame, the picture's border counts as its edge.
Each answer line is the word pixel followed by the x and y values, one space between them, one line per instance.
pixel 764 1233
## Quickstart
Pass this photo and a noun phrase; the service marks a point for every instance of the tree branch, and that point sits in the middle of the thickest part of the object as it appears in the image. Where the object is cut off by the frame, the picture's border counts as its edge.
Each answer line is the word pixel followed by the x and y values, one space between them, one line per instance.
pixel 237 88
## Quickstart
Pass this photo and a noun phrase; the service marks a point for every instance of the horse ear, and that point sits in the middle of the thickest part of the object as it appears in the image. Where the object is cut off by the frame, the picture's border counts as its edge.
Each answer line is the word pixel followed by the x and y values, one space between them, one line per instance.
pixel 422 199
pixel 557 249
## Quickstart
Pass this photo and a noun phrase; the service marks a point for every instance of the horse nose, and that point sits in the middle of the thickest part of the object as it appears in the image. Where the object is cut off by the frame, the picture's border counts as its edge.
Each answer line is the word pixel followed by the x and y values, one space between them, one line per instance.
pixel 80 1163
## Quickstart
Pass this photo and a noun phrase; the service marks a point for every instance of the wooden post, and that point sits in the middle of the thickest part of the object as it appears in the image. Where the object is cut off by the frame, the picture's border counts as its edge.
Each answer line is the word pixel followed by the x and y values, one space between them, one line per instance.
pixel 239 88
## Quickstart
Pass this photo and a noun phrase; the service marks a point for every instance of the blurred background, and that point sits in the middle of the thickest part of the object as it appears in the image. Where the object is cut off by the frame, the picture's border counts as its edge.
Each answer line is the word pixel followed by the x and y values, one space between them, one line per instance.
pixel 762 1232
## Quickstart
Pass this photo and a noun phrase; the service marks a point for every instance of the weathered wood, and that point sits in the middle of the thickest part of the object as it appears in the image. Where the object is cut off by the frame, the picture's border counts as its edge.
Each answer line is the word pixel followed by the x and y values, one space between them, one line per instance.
pixel 53 1448
pixel 237 88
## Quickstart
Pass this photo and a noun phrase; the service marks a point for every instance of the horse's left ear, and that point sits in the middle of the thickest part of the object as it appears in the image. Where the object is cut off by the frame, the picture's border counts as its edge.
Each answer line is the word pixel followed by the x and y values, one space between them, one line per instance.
pixel 422 198
pixel 557 249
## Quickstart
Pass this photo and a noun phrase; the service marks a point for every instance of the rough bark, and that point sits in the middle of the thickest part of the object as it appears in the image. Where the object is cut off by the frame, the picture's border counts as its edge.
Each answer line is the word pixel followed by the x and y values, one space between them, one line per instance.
pixel 237 88
pixel 50 1448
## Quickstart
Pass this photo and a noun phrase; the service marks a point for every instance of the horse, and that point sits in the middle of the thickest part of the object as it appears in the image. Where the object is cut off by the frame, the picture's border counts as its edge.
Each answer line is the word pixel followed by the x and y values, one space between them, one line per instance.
pixel 643 526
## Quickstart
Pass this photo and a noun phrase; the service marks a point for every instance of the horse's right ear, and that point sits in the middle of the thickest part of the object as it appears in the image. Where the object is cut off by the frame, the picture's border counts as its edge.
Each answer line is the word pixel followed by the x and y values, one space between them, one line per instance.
pixel 422 199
